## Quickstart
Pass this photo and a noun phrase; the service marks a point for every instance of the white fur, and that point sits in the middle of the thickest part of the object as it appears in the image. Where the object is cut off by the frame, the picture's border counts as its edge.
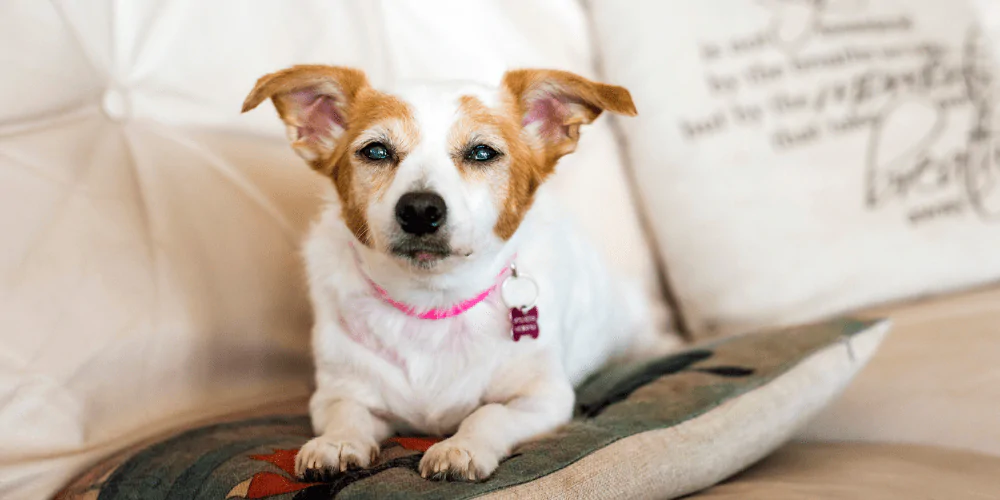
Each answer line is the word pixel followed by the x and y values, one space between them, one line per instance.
pixel 380 371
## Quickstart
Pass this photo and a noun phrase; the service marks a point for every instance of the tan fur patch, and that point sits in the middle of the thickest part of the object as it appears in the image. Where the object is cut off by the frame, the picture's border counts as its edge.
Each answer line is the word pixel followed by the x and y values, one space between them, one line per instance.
pixel 537 147
pixel 478 123
pixel 517 175
pixel 355 108
pixel 358 183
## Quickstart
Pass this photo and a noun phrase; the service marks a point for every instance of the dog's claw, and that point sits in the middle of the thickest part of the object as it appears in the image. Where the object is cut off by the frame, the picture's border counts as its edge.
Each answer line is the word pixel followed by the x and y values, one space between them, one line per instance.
pixel 318 475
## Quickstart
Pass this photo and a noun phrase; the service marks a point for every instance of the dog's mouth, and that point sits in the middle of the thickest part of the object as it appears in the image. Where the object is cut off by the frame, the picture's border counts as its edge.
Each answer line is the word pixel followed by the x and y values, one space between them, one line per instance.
pixel 423 254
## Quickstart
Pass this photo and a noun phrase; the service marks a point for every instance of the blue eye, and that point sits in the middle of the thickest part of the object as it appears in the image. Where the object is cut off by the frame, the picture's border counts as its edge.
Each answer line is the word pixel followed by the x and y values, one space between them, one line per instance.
pixel 482 153
pixel 376 151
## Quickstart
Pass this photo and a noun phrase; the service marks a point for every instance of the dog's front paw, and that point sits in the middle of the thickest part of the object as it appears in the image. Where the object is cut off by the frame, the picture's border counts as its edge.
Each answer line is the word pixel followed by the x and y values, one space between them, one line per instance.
pixel 459 458
pixel 324 456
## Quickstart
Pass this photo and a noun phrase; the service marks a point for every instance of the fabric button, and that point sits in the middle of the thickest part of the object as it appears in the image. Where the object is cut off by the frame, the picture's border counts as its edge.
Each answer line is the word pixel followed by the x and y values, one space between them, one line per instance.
pixel 115 104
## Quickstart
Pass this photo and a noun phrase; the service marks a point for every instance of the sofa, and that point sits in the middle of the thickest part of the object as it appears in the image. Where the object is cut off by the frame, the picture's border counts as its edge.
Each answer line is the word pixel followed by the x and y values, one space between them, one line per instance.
pixel 150 268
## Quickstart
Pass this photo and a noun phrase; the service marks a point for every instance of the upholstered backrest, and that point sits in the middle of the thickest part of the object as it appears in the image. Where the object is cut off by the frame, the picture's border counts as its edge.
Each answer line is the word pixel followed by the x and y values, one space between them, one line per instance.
pixel 148 266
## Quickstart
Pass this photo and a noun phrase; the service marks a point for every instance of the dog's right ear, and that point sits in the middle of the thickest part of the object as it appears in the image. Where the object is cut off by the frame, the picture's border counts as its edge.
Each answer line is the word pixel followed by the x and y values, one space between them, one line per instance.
pixel 315 104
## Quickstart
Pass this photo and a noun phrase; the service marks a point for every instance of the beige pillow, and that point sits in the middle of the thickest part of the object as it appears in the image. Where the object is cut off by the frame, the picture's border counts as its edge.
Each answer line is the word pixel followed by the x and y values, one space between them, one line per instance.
pixel 802 158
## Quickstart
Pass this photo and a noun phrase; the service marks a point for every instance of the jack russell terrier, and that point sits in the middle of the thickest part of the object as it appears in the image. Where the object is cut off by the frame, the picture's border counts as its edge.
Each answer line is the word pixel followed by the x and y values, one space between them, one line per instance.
pixel 450 295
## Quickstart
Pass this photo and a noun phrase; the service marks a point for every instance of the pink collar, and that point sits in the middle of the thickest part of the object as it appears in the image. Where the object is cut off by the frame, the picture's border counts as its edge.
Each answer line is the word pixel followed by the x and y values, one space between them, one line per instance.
pixel 438 313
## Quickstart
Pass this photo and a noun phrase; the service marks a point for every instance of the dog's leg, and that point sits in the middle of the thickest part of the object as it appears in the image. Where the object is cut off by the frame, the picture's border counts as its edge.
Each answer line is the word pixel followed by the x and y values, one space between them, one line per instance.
pixel 350 438
pixel 490 433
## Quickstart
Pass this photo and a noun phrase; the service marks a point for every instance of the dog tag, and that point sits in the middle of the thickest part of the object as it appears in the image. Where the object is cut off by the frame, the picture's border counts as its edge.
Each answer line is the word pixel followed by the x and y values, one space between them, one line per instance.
pixel 520 293
pixel 523 322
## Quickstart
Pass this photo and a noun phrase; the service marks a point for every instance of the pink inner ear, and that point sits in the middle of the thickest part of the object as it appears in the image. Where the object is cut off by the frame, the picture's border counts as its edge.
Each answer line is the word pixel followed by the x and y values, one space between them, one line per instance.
pixel 550 113
pixel 318 114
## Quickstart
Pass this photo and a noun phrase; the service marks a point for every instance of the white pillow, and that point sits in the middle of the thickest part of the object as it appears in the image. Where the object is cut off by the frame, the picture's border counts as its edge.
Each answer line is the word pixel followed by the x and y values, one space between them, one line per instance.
pixel 988 12
pixel 149 272
pixel 793 162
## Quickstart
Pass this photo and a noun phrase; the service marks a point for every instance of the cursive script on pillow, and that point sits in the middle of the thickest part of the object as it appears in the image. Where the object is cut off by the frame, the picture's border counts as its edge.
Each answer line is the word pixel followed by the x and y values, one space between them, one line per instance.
pixel 919 167
pixel 861 86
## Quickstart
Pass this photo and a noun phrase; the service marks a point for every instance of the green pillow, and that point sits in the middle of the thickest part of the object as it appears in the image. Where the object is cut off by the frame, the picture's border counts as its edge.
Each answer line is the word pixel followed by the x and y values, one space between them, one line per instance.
pixel 663 429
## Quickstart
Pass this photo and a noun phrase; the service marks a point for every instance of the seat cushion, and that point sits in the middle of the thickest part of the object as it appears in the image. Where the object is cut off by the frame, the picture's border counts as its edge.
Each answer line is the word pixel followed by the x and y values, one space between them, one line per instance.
pixel 827 471
pixel 935 381
pixel 667 427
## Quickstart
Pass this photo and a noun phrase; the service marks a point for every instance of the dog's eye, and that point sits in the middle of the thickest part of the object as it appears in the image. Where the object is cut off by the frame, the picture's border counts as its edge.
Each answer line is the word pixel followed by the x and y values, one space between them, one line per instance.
pixel 481 153
pixel 376 151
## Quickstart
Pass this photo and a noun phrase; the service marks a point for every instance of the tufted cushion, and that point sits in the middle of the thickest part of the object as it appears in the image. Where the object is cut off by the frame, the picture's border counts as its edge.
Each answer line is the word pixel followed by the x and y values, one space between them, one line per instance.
pixel 149 271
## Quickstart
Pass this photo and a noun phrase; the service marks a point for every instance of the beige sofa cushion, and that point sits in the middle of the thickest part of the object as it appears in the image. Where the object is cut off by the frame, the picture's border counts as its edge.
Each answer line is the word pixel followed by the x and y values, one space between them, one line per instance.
pixel 869 471
pixel 936 379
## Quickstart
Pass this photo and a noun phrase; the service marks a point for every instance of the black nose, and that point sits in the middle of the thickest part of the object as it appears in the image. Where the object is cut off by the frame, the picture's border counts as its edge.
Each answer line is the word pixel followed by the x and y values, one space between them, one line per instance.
pixel 421 213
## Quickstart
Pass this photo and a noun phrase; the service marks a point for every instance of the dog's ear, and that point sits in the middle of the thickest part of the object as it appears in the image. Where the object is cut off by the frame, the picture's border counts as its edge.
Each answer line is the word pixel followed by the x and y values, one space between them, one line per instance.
pixel 553 104
pixel 315 104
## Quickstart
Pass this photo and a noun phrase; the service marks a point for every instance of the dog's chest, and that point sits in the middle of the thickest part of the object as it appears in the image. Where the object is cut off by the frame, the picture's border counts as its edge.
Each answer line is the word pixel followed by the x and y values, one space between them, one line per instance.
pixel 436 372
pixel 437 393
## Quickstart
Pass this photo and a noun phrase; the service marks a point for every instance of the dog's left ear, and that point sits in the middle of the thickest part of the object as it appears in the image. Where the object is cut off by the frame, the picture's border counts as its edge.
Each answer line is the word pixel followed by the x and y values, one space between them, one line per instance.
pixel 553 104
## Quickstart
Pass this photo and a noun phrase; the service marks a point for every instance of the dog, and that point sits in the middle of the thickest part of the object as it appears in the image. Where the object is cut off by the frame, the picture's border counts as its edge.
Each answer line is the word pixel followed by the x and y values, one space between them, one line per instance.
pixel 451 296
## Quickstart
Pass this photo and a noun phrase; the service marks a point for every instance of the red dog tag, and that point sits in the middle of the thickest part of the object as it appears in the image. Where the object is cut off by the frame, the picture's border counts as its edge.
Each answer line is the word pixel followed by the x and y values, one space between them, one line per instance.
pixel 523 323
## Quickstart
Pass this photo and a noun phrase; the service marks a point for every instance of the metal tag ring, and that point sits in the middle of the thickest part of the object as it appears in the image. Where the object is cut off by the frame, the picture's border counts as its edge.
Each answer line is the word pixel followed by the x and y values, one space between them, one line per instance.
pixel 503 291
